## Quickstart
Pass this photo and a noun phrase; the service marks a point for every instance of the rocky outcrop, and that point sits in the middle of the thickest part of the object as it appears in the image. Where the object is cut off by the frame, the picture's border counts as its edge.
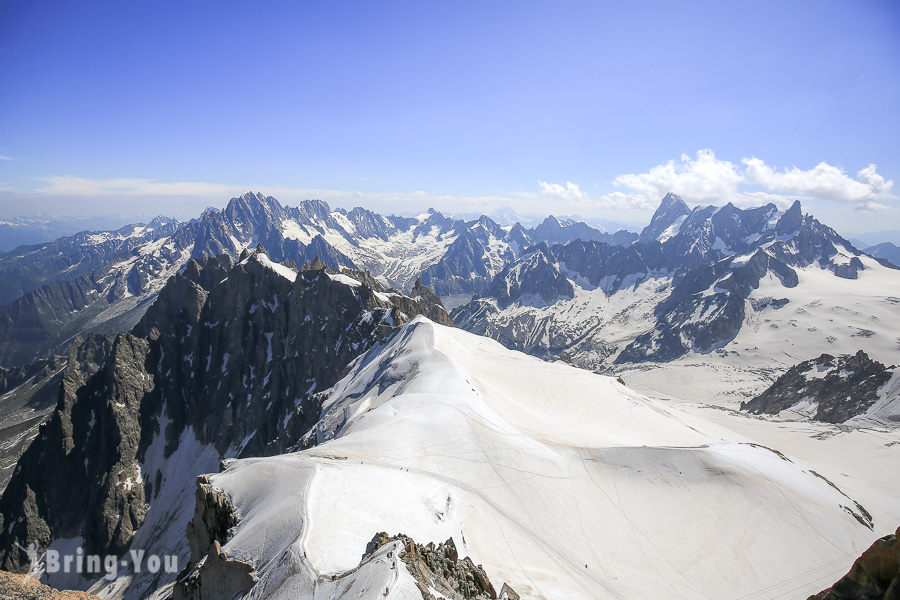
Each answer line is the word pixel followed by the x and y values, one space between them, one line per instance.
pixel 210 573
pixel 24 587
pixel 185 293
pixel 230 358
pixel 80 475
pixel 426 303
pixel 840 388
pixel 507 593
pixel 439 568
pixel 875 575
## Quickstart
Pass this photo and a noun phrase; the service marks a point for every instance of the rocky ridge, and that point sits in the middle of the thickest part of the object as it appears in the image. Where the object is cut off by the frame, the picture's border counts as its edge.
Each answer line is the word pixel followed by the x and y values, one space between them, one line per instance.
pixel 102 282
pixel 438 568
pixel 833 389
pixel 686 286
pixel 226 363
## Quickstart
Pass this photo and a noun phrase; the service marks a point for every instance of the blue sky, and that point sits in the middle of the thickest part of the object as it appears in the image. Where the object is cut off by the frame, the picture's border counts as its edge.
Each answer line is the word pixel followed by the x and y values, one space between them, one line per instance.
pixel 591 108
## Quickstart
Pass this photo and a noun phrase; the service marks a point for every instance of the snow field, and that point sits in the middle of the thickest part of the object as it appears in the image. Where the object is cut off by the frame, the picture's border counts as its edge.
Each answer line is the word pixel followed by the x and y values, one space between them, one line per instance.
pixel 562 483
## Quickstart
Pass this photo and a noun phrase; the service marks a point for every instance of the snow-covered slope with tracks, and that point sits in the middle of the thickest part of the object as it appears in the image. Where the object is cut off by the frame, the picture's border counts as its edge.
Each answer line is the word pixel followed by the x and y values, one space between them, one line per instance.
pixel 562 483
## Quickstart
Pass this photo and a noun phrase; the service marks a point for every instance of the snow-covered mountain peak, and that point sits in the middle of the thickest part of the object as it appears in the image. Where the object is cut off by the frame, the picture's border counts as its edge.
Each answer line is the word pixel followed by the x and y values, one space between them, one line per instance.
pixel 553 478
pixel 671 213
pixel 531 279
pixel 574 407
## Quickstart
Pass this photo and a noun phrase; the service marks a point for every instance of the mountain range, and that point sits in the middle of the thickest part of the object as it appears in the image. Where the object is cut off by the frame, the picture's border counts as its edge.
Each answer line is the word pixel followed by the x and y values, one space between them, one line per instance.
pixel 226 363
pixel 717 285
pixel 102 282
pixel 41 228
pixel 324 431
pixel 885 250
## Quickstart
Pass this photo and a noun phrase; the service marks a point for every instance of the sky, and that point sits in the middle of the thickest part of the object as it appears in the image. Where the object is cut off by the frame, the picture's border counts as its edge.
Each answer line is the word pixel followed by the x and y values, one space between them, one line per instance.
pixel 578 108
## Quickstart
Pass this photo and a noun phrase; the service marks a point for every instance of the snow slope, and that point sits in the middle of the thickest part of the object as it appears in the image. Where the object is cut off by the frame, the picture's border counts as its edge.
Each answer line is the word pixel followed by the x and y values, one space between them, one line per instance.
pixel 824 313
pixel 562 483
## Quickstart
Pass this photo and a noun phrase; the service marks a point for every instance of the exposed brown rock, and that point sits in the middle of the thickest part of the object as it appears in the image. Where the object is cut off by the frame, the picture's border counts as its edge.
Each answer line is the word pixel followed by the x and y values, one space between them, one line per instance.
pixel 507 593
pixel 25 587
pixel 315 265
pixel 875 575
pixel 440 568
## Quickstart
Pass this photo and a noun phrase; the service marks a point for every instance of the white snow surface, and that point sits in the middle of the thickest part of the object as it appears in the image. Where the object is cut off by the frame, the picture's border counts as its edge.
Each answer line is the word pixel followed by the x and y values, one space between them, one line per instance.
pixel 562 483
pixel 824 314
pixel 282 270
pixel 345 279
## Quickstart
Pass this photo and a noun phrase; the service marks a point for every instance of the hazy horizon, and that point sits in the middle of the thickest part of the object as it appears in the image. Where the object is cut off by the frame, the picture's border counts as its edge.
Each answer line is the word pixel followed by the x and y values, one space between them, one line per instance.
pixel 871 237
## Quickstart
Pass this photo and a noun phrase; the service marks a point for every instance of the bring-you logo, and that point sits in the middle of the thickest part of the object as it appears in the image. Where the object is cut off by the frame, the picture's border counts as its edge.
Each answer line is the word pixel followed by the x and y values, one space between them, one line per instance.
pixel 108 566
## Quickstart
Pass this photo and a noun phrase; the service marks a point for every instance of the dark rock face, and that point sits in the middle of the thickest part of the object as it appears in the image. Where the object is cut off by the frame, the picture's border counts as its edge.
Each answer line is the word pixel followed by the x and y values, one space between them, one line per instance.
pixel 875 575
pixel 670 210
pixel 50 489
pixel 533 276
pixel 552 231
pixel 185 293
pixel 27 397
pixel 236 364
pixel 790 221
pixel 711 258
pixel 219 576
pixel 440 568
pixel 843 387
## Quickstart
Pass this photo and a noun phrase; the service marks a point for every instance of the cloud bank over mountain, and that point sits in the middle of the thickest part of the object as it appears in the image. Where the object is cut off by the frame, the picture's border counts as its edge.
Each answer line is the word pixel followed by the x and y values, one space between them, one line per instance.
pixel 702 179
pixel 707 179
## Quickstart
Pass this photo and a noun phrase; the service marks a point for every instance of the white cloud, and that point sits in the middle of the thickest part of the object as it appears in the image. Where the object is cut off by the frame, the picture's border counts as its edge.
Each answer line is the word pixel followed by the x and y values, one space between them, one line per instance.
pixel 705 180
pixel 5 157
pixel 823 181
pixel 187 199
pixel 569 193
pixel 871 206
pixel 709 180
pixel 701 179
